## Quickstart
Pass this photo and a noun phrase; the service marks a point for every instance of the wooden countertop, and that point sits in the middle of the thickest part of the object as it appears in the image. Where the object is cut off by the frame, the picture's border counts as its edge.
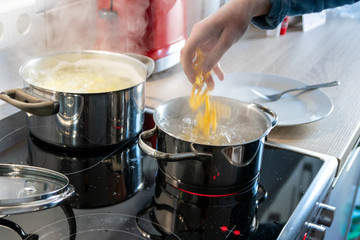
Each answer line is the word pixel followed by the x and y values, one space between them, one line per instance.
pixel 328 53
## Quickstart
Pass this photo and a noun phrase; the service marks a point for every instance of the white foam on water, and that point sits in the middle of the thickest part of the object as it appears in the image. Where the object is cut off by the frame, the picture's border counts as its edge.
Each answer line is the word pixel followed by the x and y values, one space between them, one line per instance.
pixel 86 76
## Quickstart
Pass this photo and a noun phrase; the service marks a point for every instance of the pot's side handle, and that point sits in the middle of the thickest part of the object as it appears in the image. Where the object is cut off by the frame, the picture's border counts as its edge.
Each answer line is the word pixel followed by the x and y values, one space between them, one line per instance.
pixel 24 101
pixel 269 112
pixel 15 227
pixel 169 157
pixel 149 62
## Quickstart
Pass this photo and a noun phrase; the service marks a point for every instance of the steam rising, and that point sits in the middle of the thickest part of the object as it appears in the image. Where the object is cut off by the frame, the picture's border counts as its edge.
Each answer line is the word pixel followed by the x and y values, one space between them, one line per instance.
pixel 123 26
pixel 77 26
pixel 82 25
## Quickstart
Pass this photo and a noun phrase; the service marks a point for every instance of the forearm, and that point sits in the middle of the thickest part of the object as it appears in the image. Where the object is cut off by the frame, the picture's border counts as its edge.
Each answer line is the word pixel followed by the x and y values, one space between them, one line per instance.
pixel 242 9
pixel 281 8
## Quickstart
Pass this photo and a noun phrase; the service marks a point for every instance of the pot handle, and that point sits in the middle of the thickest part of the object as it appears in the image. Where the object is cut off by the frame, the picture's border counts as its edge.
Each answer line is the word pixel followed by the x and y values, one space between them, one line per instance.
pixel 269 112
pixel 263 194
pixel 16 228
pixel 149 62
pixel 169 157
pixel 24 101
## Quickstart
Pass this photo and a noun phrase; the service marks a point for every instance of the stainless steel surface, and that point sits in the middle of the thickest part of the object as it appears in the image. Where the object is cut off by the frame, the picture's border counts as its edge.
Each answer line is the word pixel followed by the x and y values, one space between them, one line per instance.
pixel 27 188
pixel 316 232
pixel 256 120
pixel 194 154
pixel 221 176
pixel 317 192
pixel 148 62
pixel 92 121
pixel 344 193
pixel 277 96
pixel 85 121
pixel 234 165
pixel 327 214
pixel 170 60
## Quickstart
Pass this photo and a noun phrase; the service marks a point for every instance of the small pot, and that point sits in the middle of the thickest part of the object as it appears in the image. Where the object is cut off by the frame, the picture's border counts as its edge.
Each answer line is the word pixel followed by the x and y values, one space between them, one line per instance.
pixel 83 120
pixel 209 169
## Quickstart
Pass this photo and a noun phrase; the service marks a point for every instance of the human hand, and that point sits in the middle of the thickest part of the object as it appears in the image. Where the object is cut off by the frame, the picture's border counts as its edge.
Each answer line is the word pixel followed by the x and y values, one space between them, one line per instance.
pixel 217 33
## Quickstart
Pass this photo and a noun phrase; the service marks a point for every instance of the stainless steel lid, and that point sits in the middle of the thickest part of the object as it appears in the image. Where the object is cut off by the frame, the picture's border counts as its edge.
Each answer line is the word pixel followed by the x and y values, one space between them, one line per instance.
pixel 27 189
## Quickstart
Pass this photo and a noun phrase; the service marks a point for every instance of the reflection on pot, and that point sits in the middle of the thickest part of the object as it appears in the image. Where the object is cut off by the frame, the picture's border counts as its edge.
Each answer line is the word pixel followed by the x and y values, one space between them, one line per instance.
pixel 101 178
pixel 193 216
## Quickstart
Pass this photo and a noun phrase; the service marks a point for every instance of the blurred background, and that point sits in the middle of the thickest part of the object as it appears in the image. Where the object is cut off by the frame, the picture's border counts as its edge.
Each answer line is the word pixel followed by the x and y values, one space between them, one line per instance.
pixel 31 28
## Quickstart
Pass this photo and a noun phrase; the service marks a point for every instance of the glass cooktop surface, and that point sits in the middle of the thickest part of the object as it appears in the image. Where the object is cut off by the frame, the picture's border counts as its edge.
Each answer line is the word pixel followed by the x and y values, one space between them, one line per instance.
pixel 119 194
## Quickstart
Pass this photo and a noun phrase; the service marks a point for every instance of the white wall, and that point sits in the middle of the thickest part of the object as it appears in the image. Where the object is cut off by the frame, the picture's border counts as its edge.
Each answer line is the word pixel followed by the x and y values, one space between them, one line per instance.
pixel 54 26
pixel 31 28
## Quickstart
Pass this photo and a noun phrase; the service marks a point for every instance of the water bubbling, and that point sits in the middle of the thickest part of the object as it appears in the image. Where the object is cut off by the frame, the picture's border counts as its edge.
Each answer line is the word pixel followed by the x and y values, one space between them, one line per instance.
pixel 228 132
pixel 86 76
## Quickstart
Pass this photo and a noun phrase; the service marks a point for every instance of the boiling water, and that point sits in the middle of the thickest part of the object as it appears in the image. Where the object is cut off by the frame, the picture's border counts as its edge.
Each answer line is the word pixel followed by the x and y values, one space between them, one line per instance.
pixel 86 76
pixel 239 130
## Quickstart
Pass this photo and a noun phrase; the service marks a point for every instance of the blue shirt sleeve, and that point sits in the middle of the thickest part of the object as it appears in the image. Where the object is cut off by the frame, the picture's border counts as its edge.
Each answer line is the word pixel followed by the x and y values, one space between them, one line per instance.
pixel 281 8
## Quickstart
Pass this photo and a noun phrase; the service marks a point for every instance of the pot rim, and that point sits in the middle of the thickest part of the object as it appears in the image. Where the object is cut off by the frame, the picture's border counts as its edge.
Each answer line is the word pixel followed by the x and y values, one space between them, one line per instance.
pixel 49 92
pixel 128 57
pixel 264 110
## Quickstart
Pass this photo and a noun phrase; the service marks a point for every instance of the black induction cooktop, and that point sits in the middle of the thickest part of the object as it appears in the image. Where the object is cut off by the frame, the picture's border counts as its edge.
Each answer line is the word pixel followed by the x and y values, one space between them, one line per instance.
pixel 119 194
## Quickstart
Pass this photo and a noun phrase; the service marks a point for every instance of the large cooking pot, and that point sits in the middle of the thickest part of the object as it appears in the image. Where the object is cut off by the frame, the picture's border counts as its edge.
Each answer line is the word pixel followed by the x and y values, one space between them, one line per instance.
pixel 78 119
pixel 210 169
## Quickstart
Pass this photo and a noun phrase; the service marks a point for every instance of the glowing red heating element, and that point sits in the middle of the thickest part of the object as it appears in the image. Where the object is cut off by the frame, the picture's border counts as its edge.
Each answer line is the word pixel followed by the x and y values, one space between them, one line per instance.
pixel 305 236
pixel 225 229
pixel 206 195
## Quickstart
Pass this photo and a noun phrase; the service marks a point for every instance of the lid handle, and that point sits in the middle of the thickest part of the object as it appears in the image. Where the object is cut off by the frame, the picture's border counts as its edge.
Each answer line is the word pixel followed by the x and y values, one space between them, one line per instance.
pixel 16 228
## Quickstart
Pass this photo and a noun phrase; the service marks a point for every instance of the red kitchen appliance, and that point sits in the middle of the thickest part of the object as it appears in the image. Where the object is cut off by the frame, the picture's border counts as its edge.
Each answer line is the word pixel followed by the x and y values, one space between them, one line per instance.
pixel 155 28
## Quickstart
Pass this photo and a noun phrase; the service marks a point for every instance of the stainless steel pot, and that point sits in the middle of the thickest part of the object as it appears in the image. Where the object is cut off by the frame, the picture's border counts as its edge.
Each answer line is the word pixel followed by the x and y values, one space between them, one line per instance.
pixel 82 120
pixel 204 168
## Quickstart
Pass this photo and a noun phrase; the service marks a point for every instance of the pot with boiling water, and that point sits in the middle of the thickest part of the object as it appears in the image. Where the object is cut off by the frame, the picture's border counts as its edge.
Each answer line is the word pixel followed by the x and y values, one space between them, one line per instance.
pixel 83 99
pixel 226 162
